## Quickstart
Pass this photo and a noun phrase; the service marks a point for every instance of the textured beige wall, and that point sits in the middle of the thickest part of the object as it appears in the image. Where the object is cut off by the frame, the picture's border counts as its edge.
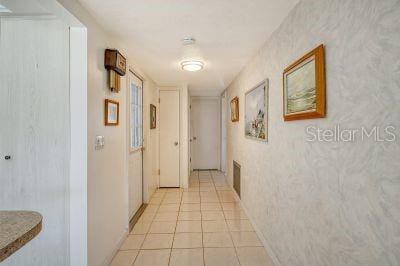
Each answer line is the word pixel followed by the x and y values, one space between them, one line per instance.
pixel 327 203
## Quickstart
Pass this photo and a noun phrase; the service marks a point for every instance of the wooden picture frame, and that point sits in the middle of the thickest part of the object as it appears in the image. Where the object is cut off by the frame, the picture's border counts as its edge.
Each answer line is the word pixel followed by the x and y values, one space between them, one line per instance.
pixel 235 109
pixel 304 87
pixel 111 112
pixel 153 116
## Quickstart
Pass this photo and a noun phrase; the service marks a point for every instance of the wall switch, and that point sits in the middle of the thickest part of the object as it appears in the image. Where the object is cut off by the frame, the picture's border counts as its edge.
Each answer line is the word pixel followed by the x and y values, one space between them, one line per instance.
pixel 99 142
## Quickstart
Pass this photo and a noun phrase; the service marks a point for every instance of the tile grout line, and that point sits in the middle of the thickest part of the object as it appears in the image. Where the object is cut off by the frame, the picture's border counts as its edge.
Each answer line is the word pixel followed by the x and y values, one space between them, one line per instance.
pixel 201 224
pixel 148 231
pixel 176 226
pixel 230 234
pixel 220 195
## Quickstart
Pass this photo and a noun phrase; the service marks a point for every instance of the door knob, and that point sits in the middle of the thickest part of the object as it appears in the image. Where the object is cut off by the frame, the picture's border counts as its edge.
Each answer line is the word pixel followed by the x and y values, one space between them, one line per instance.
pixel 194 138
pixel 176 143
pixel 7 157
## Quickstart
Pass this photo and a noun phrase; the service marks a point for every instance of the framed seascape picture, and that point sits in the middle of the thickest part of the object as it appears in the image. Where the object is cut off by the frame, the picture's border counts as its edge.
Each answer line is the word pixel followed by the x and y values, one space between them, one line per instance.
pixel 235 109
pixel 256 112
pixel 111 113
pixel 153 116
pixel 304 87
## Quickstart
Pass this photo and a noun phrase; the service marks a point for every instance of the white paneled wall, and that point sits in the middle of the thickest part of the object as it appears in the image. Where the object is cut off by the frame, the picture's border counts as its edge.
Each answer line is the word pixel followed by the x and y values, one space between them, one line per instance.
pixel 35 131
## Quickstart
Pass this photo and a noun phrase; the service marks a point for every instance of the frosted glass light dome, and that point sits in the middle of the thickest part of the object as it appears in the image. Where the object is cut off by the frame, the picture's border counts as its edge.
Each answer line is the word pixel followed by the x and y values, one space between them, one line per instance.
pixel 192 65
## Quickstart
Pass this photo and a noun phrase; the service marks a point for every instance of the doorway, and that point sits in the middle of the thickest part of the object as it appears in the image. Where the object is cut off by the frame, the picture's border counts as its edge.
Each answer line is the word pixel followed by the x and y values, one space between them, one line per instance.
pixel 169 138
pixel 205 133
pixel 135 153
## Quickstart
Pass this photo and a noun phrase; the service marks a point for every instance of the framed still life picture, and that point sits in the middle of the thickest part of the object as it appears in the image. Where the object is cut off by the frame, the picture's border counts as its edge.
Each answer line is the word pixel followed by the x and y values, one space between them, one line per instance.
pixel 111 114
pixel 256 112
pixel 235 109
pixel 153 116
pixel 304 87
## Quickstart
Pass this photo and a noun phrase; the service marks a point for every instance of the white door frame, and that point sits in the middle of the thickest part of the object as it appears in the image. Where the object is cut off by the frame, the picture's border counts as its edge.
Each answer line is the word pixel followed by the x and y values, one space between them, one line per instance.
pixel 224 129
pixel 131 151
pixel 78 160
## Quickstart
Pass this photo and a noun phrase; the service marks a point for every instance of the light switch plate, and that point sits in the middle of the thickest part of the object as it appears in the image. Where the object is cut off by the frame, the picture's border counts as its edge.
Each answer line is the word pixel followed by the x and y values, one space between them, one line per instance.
pixel 99 142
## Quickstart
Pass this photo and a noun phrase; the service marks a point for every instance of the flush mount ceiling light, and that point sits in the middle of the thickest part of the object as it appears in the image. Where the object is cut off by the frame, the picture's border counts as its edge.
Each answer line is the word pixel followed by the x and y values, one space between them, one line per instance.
pixel 191 55
pixel 192 65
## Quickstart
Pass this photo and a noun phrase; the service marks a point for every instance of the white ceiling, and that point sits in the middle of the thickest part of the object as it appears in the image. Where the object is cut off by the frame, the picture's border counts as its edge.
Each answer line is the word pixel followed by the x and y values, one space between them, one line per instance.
pixel 228 34
pixel 23 8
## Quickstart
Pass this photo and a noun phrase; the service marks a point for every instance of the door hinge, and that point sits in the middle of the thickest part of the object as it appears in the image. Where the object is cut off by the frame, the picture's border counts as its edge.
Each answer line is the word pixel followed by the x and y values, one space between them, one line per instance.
pixel 159 100
pixel 159 171
pixel 190 159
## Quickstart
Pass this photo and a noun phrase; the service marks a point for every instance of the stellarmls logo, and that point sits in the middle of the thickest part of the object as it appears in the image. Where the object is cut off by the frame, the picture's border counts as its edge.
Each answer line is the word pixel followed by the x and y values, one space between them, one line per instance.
pixel 338 134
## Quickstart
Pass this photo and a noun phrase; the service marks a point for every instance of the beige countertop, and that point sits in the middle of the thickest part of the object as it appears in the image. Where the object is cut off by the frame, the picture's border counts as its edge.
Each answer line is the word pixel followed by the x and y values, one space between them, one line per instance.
pixel 16 229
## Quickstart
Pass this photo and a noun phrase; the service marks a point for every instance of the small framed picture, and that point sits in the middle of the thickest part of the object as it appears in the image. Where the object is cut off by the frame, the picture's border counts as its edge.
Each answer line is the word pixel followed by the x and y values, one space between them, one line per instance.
pixel 256 112
pixel 304 87
pixel 153 116
pixel 111 113
pixel 235 109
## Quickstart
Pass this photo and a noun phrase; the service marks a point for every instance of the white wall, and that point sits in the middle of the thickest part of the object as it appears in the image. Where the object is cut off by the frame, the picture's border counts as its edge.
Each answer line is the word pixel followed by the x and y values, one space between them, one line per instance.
pixel 107 168
pixel 35 131
pixel 327 203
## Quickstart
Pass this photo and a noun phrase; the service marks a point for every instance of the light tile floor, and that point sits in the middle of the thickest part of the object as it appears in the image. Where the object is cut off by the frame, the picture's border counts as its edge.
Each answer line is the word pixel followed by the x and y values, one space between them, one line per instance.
pixel 201 225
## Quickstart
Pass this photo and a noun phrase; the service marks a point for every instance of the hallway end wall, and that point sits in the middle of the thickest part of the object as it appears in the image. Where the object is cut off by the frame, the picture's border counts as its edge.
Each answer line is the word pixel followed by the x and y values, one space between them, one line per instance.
pixel 327 203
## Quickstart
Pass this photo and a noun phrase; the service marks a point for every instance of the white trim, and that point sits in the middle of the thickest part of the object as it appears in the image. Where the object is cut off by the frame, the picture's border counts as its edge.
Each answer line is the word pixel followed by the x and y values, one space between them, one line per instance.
pixel 260 235
pixel 78 160
pixel 129 114
pixel 132 70
pixel 134 150
pixel 224 152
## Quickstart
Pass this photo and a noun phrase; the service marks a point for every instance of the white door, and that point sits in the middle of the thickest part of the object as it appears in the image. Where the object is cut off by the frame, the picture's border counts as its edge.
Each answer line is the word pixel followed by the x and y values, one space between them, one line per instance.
pixel 169 138
pixel 135 159
pixel 205 124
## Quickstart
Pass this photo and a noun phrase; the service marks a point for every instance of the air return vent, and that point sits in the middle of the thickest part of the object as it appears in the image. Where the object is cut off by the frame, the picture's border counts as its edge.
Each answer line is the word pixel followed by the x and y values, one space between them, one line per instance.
pixel 236 177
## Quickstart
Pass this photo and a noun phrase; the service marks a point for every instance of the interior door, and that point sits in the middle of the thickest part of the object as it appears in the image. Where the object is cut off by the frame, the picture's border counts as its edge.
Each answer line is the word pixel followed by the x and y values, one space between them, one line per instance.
pixel 205 120
pixel 169 138
pixel 135 154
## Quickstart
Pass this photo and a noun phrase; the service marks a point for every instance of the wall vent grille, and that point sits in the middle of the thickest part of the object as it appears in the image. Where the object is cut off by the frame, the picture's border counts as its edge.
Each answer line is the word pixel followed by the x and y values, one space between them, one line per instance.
pixel 236 177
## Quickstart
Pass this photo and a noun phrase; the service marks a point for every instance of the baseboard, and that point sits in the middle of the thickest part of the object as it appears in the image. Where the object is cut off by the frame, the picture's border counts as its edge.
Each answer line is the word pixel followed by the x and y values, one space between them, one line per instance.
pixel 258 231
pixel 136 216
pixel 112 254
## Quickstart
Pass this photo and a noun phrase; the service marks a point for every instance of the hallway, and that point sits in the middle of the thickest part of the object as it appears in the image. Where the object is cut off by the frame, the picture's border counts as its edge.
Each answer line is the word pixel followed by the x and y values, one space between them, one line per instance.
pixel 107 107
pixel 201 225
